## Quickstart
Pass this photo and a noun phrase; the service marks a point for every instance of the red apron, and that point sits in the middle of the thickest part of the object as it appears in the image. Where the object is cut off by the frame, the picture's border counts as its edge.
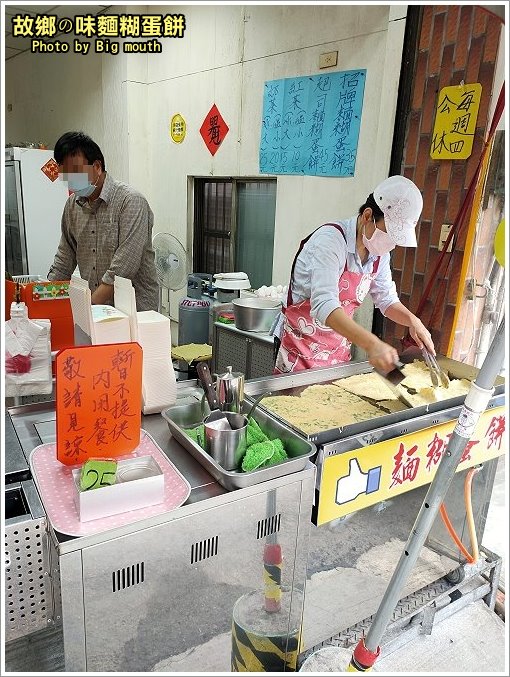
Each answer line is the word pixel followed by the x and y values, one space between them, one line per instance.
pixel 305 342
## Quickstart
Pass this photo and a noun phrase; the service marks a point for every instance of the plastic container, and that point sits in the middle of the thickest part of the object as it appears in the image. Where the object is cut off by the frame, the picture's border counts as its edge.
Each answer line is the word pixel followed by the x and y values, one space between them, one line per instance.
pixel 139 483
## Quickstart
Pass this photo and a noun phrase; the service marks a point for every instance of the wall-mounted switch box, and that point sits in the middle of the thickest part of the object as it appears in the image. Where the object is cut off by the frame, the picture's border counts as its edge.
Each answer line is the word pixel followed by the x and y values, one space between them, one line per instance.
pixel 445 231
pixel 328 59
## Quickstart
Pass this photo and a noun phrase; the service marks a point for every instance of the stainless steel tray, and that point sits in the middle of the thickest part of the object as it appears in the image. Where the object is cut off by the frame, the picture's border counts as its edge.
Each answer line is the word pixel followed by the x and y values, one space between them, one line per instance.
pixel 187 413
pixel 293 384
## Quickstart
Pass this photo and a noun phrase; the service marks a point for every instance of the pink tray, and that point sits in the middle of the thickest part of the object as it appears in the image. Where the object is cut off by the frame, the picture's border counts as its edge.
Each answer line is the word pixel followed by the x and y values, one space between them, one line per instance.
pixel 55 484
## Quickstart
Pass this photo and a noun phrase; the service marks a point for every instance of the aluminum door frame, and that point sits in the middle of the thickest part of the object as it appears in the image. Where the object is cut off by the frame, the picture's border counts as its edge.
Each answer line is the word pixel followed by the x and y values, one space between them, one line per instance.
pixel 15 164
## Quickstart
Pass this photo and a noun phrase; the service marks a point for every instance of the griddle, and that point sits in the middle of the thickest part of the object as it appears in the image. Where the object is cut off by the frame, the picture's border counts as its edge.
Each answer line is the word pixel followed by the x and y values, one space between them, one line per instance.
pixel 294 384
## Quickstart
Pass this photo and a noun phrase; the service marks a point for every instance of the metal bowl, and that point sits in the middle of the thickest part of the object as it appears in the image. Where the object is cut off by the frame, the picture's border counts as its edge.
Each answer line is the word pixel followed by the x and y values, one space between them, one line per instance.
pixel 255 314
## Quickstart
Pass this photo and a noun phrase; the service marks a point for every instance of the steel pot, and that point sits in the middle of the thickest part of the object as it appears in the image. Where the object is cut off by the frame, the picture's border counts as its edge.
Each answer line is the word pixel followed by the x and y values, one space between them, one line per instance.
pixel 226 445
pixel 230 390
pixel 255 314
pixel 225 431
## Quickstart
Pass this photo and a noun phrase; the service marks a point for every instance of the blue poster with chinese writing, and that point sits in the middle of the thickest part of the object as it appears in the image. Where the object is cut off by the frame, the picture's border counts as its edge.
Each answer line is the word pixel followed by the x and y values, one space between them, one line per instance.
pixel 310 125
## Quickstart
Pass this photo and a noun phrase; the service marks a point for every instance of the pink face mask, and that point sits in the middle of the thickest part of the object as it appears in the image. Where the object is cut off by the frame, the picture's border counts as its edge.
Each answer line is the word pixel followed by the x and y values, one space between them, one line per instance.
pixel 380 243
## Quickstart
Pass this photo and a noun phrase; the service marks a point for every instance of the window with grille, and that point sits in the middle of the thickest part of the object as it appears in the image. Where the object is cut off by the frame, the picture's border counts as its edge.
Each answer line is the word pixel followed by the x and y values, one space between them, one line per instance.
pixel 234 227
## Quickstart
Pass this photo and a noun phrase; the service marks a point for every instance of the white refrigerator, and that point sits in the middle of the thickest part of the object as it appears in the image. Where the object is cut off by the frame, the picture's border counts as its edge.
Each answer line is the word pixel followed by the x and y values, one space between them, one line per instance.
pixel 34 201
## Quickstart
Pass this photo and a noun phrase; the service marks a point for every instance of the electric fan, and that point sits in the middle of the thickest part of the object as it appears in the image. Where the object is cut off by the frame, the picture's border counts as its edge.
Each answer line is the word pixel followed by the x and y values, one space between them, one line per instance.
pixel 171 263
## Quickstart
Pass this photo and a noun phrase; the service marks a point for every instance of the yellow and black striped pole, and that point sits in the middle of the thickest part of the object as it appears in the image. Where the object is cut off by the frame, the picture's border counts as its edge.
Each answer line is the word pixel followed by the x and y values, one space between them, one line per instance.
pixel 272 577
pixel 259 642
pixel 263 639
pixel 272 562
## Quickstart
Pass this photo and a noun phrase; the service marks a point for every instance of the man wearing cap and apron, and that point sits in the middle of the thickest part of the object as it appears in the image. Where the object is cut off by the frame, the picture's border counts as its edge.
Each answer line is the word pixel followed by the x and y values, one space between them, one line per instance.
pixel 334 269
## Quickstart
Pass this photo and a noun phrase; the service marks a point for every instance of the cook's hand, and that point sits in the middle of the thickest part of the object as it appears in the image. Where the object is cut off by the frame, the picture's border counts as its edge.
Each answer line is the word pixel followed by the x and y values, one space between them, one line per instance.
pixel 382 356
pixel 421 335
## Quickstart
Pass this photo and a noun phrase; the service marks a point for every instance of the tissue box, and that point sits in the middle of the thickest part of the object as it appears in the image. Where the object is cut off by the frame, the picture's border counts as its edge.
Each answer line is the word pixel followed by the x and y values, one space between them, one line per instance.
pixel 140 482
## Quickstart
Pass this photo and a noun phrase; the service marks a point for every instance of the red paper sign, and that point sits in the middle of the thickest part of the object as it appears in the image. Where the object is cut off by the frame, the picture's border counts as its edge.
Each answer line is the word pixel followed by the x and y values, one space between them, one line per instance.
pixel 99 390
pixel 213 130
pixel 50 169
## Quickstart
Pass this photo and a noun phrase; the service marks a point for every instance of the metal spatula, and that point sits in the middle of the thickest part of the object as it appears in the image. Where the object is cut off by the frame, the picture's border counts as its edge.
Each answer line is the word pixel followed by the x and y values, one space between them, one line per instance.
pixel 393 379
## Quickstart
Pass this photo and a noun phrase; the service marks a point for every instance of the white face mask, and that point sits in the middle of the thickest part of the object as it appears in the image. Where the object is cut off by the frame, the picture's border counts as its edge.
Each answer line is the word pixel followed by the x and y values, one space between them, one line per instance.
pixel 80 185
pixel 380 243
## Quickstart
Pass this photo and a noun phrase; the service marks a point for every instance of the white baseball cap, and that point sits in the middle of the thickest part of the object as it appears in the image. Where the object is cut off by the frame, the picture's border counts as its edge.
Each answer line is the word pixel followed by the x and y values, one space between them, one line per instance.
pixel 401 202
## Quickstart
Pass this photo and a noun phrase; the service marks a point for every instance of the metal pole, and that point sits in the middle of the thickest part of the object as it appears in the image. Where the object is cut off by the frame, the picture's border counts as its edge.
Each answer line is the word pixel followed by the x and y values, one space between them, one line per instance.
pixel 272 562
pixel 475 404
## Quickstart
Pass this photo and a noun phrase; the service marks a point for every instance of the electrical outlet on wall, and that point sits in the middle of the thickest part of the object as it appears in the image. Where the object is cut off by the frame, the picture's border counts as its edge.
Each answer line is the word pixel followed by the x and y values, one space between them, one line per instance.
pixel 328 59
pixel 445 231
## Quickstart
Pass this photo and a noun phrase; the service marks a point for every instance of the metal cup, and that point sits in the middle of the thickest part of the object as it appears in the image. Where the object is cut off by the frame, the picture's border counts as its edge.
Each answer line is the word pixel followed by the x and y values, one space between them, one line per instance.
pixel 226 447
pixel 230 390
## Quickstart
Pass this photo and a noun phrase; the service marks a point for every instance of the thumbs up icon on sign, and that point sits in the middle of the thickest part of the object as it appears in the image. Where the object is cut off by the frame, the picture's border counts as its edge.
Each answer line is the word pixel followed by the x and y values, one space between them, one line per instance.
pixel 357 482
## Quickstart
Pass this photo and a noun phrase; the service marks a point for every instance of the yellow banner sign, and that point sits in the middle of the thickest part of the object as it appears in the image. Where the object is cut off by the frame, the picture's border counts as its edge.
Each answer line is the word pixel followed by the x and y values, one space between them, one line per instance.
pixel 357 479
pixel 178 128
pixel 455 124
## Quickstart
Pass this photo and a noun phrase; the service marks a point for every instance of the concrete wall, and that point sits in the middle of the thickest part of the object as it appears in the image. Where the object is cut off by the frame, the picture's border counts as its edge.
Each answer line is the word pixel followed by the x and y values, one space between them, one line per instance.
pixel 227 55
pixel 52 93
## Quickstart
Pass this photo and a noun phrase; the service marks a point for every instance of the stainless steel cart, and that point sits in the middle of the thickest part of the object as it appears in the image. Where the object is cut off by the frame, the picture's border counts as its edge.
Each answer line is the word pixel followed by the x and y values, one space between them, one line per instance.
pixel 250 352
pixel 160 594
pixel 358 542
pixel 31 593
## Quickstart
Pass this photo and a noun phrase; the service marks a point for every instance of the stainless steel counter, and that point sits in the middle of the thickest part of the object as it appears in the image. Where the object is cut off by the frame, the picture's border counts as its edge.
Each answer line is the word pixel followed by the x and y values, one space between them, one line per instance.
pixel 169 584
pixel 35 424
